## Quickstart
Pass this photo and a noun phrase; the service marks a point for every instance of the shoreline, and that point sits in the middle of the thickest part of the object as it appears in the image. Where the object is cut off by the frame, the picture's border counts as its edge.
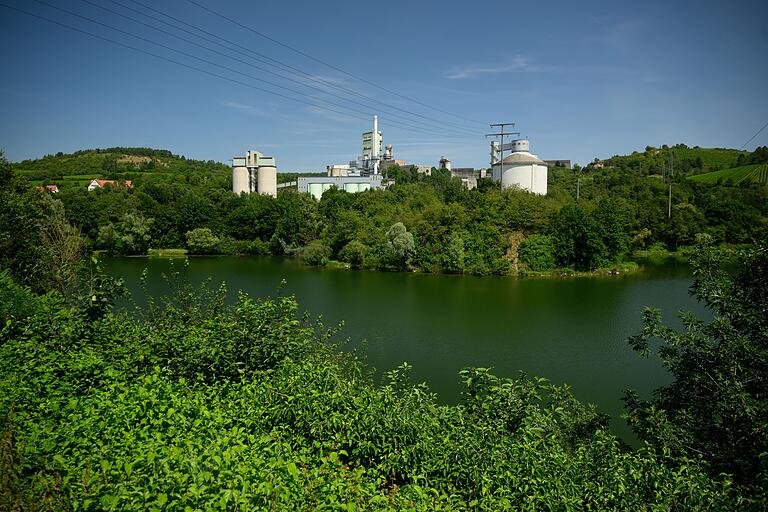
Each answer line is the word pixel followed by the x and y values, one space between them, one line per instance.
pixel 636 263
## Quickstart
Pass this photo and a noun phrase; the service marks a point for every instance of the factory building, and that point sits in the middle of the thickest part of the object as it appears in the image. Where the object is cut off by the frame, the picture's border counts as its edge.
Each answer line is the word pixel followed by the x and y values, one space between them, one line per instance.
pixel 520 169
pixel 254 172
pixel 467 175
pixel 370 159
pixel 316 185
pixel 363 173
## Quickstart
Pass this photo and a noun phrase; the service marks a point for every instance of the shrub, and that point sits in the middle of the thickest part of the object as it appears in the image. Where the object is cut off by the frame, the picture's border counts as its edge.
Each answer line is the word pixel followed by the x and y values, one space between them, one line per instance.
pixel 202 241
pixel 315 253
pixel 354 253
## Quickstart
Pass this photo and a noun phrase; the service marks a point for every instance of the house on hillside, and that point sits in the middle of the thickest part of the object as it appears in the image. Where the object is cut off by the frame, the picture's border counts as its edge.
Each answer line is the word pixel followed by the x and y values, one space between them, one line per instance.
pixel 112 183
pixel 50 188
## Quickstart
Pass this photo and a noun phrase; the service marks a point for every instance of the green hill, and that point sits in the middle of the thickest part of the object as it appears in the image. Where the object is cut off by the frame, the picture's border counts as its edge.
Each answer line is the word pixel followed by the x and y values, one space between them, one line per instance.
pixel 78 168
pixel 686 159
pixel 754 172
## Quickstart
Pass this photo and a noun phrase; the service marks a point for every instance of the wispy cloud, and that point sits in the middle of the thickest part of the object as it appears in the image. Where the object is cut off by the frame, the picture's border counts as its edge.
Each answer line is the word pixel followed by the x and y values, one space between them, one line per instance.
pixel 518 64
pixel 332 116
pixel 247 109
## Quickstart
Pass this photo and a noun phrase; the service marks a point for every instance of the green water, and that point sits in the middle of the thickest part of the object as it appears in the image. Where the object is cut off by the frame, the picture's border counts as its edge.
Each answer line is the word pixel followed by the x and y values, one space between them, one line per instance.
pixel 571 331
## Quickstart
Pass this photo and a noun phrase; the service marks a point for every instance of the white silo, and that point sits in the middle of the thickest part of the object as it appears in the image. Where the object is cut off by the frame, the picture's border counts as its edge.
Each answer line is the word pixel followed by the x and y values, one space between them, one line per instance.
pixel 240 176
pixel 521 169
pixel 267 177
pixel 254 172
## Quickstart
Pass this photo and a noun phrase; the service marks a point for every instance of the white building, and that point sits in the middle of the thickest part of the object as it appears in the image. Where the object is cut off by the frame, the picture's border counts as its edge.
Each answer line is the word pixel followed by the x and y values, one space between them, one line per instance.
pixel 520 169
pixel 316 185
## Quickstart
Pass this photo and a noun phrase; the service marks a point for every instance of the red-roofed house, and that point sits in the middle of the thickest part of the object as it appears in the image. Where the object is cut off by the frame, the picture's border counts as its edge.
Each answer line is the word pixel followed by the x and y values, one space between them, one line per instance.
pixel 113 183
pixel 50 188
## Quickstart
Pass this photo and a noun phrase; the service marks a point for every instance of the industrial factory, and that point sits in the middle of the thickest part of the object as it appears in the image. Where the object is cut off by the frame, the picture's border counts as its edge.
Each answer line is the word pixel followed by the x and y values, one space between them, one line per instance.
pixel 520 169
pixel 363 173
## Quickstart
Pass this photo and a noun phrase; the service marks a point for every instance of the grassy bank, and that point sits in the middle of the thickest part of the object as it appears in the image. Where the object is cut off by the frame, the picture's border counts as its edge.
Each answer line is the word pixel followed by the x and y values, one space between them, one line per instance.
pixel 167 253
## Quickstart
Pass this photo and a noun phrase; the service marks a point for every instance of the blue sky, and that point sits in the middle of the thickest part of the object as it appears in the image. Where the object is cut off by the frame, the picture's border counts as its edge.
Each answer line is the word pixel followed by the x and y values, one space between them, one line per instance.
pixel 581 79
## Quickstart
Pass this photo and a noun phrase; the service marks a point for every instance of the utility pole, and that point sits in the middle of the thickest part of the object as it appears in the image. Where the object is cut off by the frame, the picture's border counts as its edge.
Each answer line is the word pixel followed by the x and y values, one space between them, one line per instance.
pixel 501 134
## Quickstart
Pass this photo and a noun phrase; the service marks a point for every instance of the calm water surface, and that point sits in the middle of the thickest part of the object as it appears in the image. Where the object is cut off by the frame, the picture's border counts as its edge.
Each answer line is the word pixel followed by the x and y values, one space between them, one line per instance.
pixel 571 331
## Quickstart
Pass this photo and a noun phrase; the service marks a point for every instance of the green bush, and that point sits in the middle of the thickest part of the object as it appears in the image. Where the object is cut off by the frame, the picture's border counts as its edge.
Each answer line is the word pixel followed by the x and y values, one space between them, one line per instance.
pixel 537 252
pixel 257 248
pixel 202 241
pixel 354 253
pixel 315 253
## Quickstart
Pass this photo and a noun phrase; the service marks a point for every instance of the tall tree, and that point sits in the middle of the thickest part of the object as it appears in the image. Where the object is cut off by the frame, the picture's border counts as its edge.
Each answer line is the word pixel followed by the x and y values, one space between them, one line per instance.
pixel 717 404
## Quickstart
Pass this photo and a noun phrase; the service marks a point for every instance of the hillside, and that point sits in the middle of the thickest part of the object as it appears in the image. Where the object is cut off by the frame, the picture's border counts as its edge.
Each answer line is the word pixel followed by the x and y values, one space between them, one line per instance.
pixel 757 173
pixel 693 160
pixel 78 168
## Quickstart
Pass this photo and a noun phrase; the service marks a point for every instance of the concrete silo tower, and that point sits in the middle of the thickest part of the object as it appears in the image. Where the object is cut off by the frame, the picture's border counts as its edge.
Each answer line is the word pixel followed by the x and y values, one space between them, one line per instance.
pixel 254 172
pixel 240 176
pixel 267 177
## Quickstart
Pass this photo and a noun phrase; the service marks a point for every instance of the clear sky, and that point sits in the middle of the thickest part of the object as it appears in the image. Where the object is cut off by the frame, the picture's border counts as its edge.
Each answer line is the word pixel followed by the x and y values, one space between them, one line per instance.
pixel 581 79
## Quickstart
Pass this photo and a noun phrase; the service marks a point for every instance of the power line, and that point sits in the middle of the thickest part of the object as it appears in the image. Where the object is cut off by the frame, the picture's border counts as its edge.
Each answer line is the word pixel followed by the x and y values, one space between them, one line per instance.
pixel 273 84
pixel 320 61
pixel 167 59
pixel 264 59
pixel 442 132
pixel 279 64
pixel 755 135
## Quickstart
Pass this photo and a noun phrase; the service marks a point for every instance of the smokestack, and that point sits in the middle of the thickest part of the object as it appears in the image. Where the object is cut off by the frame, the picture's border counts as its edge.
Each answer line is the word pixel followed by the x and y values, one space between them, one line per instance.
pixel 375 145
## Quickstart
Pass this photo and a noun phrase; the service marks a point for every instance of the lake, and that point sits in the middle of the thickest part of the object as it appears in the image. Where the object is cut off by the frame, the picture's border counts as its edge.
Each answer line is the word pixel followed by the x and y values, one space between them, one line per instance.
pixel 570 330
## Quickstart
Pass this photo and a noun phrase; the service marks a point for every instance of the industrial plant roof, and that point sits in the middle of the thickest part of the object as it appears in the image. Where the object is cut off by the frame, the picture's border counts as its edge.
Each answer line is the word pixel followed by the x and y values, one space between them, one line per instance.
pixel 522 157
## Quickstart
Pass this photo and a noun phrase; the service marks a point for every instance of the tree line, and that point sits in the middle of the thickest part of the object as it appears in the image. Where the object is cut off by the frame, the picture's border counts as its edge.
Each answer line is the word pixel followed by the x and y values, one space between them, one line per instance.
pixel 482 231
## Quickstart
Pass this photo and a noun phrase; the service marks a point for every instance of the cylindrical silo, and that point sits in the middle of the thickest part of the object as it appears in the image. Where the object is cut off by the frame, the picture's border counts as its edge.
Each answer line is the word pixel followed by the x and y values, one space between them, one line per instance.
pixel 240 180
pixel 267 180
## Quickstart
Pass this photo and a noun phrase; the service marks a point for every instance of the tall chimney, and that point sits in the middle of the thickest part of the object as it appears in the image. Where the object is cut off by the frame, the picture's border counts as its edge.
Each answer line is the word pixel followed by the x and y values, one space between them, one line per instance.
pixel 375 145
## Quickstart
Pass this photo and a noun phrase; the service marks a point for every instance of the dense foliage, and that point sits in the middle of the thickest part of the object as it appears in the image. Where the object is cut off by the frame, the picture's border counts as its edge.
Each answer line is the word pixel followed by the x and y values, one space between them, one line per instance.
pixel 717 405
pixel 194 402
pixel 452 229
